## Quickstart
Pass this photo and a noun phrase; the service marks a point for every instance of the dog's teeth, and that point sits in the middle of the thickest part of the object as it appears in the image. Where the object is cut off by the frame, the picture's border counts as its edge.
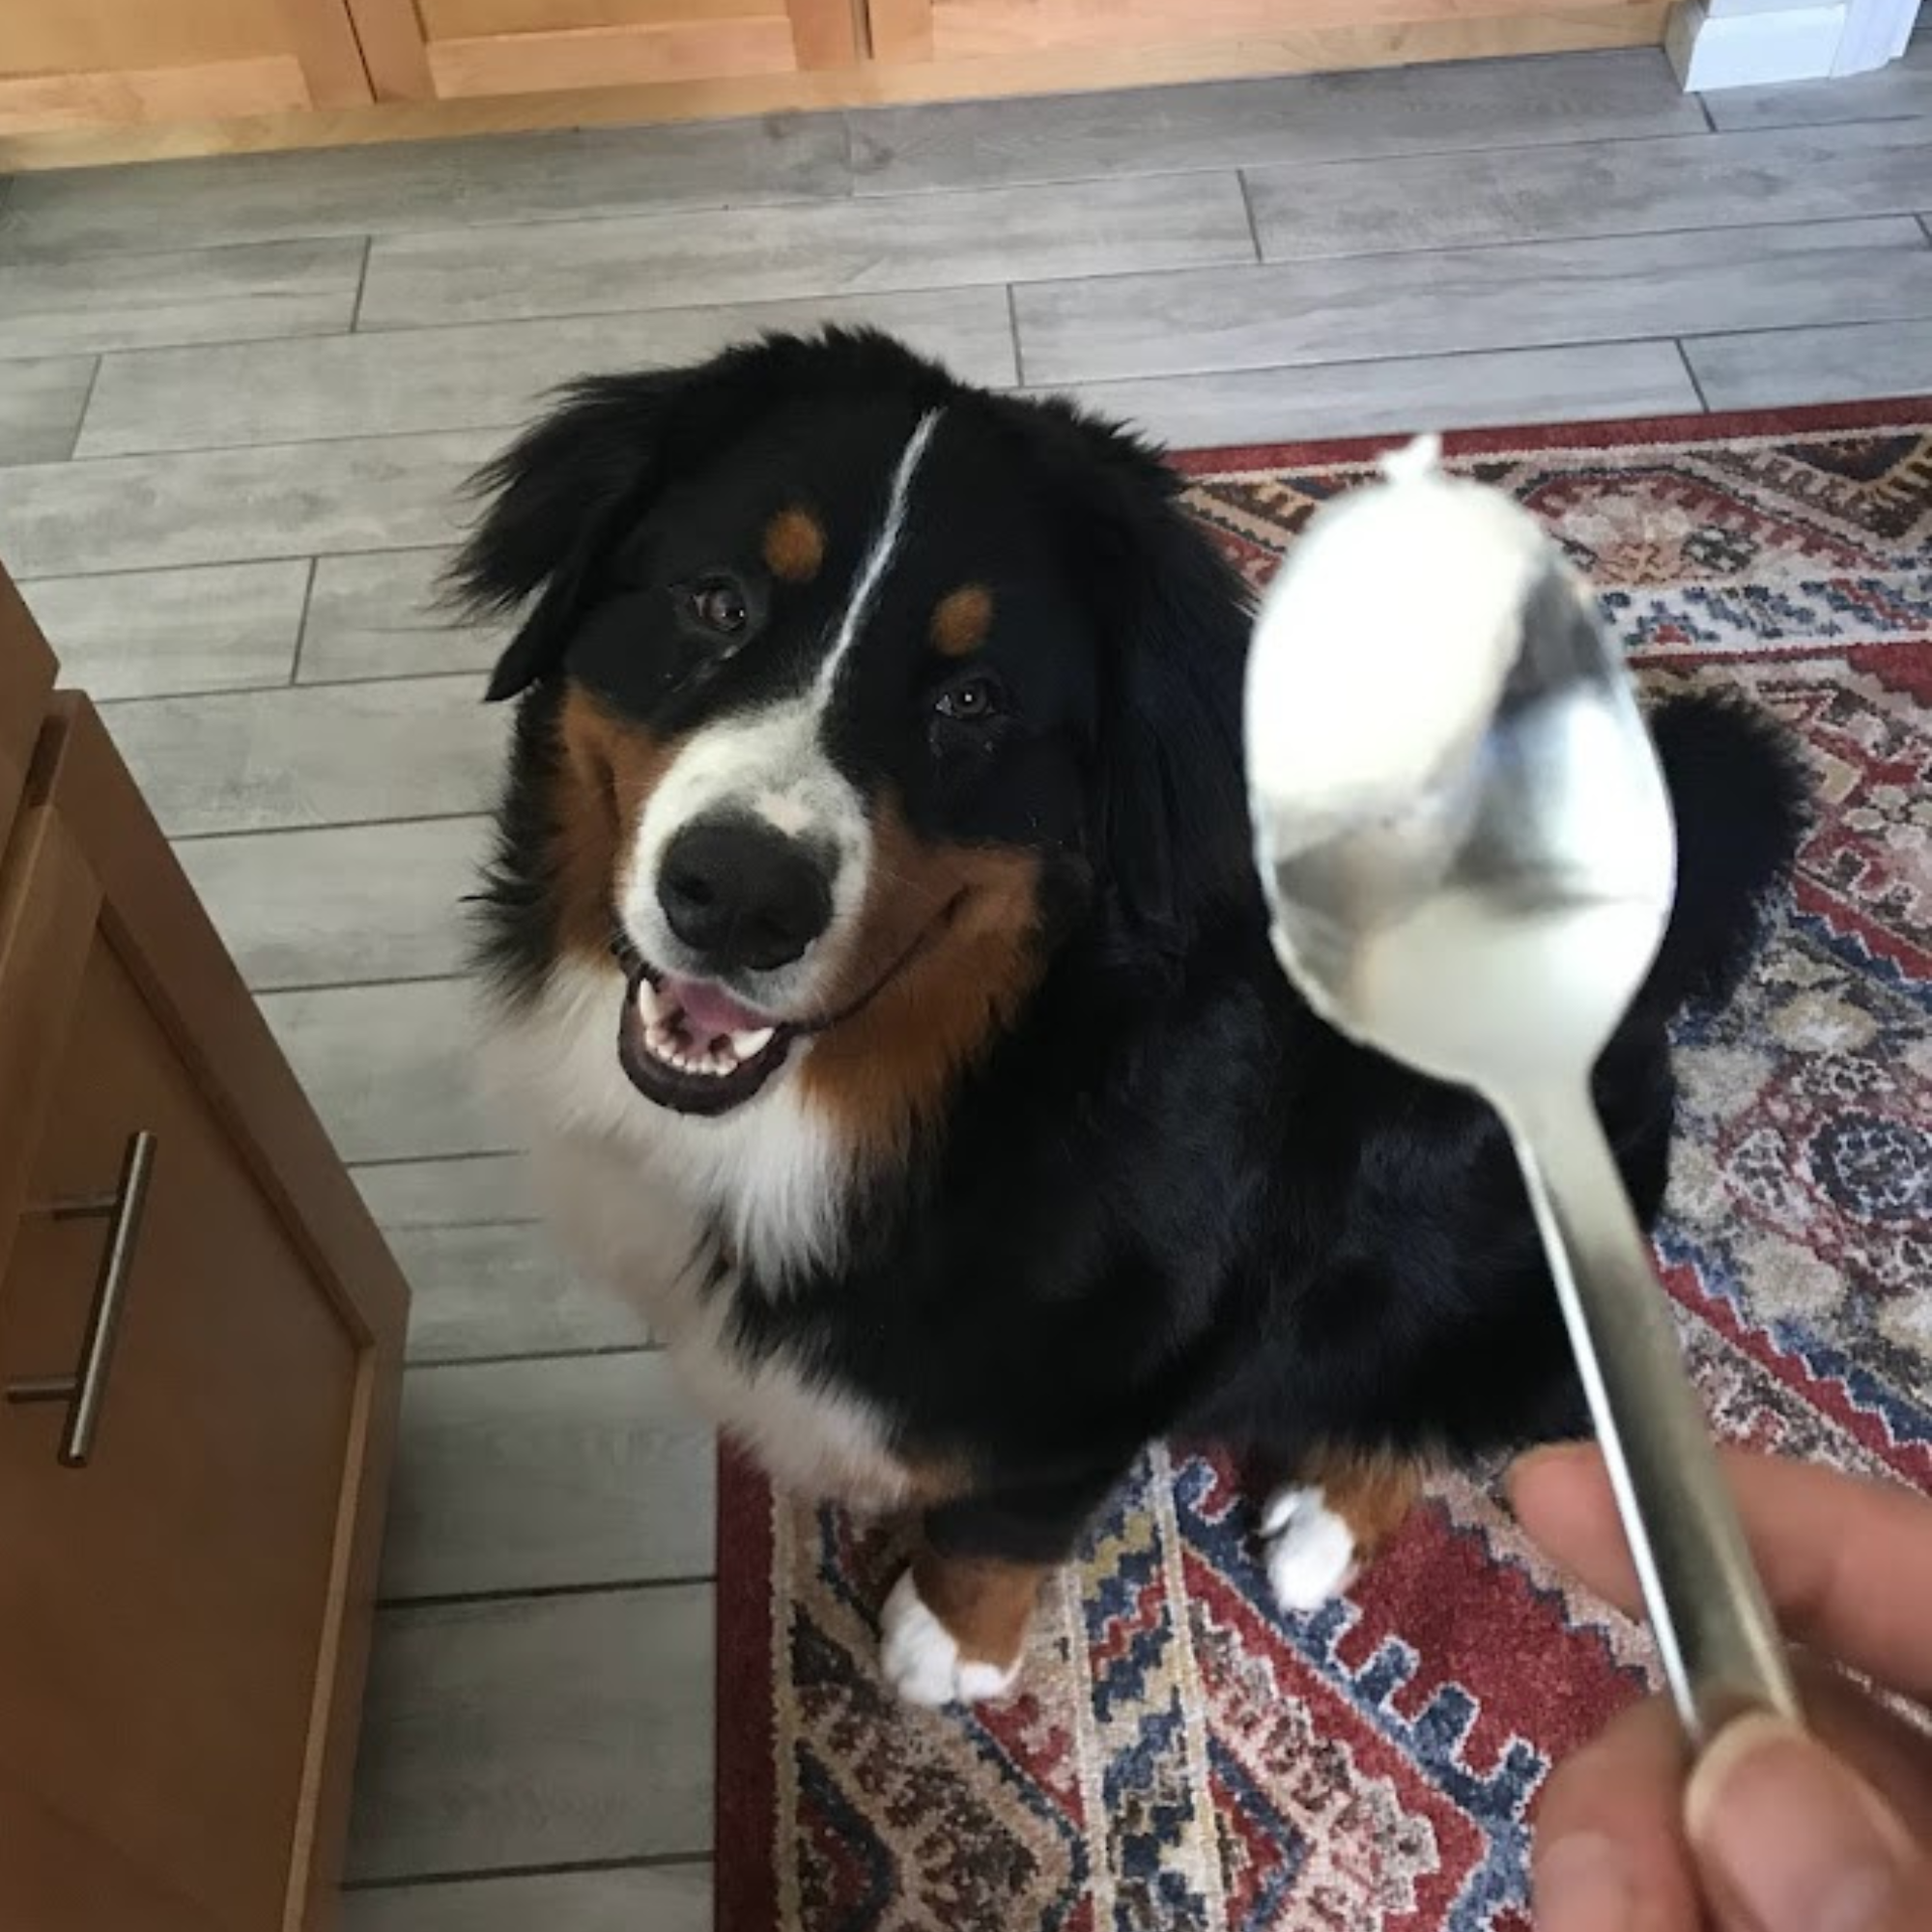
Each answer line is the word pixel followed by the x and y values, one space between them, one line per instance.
pixel 668 1041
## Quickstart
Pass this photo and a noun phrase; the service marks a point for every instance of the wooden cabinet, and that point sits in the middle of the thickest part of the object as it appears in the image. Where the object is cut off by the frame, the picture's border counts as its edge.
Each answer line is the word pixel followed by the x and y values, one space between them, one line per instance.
pixel 449 48
pixel 81 63
pixel 216 75
pixel 200 1349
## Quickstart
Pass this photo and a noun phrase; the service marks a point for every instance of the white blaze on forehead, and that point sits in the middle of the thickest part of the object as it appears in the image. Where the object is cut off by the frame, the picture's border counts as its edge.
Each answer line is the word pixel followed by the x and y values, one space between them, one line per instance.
pixel 878 558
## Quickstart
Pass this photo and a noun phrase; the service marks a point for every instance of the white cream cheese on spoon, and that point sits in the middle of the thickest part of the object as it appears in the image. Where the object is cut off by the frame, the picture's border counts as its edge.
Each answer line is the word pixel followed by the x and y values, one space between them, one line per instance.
pixel 1381 648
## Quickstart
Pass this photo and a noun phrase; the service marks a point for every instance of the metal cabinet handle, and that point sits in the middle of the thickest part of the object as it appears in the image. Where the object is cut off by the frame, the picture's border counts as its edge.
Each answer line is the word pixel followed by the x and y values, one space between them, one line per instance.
pixel 85 1391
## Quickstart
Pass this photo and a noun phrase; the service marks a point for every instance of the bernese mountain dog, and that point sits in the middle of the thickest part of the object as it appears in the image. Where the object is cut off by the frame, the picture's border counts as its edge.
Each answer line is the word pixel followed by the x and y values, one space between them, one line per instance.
pixel 872 919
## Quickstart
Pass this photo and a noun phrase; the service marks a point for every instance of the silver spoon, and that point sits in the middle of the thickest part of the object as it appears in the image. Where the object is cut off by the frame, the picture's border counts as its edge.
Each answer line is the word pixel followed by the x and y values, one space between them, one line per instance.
pixel 1468 847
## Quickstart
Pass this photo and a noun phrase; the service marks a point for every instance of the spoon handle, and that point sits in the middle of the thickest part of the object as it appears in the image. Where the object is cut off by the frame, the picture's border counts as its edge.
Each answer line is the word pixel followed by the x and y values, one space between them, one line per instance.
pixel 1721 1651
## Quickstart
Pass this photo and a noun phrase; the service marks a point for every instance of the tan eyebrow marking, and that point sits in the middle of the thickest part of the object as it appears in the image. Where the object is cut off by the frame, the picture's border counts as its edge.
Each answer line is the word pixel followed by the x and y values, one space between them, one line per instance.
pixel 961 620
pixel 794 546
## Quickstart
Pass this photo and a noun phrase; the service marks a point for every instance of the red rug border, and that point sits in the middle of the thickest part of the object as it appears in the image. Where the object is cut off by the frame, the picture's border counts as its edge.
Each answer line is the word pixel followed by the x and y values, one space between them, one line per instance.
pixel 745 1789
pixel 745 1799
pixel 1910 412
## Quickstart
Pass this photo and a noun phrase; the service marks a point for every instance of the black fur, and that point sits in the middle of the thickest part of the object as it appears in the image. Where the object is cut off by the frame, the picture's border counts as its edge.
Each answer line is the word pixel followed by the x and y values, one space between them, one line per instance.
pixel 1171 1200
pixel 1740 800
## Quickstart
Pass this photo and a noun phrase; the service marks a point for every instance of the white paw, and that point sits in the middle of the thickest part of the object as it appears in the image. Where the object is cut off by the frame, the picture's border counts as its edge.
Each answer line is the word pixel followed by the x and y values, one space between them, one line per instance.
pixel 1308 1549
pixel 922 1662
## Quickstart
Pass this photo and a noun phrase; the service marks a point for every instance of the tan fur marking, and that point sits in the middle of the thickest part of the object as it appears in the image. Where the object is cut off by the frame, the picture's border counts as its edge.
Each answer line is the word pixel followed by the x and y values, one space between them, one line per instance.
pixel 598 793
pixel 929 1484
pixel 1371 1494
pixel 961 620
pixel 985 1602
pixel 962 920
pixel 794 546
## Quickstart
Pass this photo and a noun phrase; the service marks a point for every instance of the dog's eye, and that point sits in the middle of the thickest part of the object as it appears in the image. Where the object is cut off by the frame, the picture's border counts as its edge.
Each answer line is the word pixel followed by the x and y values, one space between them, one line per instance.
pixel 719 606
pixel 971 700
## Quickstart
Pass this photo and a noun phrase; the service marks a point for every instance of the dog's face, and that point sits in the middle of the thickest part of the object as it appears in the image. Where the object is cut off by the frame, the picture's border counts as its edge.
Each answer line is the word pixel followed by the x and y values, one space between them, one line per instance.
pixel 834 703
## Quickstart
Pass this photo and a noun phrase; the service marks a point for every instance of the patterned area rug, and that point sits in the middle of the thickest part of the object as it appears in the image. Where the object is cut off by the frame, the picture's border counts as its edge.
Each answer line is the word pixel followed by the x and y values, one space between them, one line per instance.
pixel 1181 1755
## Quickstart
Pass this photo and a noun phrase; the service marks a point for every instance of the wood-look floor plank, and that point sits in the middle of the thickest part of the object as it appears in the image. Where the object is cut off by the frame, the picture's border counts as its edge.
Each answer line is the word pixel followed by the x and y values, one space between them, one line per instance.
pixel 383 615
pixel 1595 188
pixel 165 632
pixel 654 1899
pixel 393 1070
pixel 1293 122
pixel 342 903
pixel 503 1288
pixel 480 1190
pixel 62 304
pixel 41 401
pixel 1804 365
pixel 324 755
pixel 1518 385
pixel 536 1731
pixel 546 1475
pixel 361 190
pixel 1532 295
pixel 238 506
pixel 823 248
pixel 482 374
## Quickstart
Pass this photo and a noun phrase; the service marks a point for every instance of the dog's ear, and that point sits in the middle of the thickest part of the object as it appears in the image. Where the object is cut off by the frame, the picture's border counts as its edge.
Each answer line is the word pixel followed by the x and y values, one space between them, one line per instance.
pixel 1171 825
pixel 554 498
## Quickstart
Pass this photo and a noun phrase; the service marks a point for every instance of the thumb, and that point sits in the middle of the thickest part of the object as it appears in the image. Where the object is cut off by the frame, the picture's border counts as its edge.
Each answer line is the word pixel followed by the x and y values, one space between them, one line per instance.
pixel 1789 1839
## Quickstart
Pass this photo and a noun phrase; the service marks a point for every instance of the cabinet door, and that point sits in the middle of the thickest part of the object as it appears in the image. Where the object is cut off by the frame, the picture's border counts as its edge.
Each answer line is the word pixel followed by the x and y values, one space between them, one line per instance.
pixel 185 1602
pixel 82 63
pixel 449 48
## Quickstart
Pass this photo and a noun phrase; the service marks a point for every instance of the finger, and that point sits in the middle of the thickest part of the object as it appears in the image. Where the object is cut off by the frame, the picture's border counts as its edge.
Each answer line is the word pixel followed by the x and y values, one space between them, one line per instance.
pixel 1788 1839
pixel 1610 1851
pixel 1847 1562
pixel 1894 1757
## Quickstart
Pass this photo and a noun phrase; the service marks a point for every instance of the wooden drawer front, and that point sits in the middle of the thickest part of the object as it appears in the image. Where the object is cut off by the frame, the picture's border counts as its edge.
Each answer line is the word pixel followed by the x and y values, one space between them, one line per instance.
pixel 163 1606
pixel 78 63
pixel 184 1600
pixel 452 48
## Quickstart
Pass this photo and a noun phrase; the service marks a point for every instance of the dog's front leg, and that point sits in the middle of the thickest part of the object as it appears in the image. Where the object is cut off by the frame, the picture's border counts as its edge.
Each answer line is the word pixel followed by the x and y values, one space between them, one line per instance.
pixel 1319 1529
pixel 955 1628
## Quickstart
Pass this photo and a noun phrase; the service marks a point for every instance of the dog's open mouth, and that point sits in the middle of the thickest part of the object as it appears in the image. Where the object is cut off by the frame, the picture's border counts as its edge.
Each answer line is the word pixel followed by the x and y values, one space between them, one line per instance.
pixel 691 1046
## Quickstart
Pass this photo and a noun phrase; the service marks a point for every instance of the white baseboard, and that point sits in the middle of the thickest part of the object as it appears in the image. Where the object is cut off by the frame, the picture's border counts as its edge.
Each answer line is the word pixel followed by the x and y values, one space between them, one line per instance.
pixel 1716 43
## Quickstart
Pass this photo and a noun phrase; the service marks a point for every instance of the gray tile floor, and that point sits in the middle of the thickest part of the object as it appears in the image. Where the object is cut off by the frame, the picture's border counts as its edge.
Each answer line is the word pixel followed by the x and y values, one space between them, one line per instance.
pixel 236 399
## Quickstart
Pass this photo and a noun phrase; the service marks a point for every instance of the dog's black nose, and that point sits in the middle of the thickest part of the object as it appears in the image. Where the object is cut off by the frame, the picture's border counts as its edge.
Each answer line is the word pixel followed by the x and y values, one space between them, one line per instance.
pixel 742 894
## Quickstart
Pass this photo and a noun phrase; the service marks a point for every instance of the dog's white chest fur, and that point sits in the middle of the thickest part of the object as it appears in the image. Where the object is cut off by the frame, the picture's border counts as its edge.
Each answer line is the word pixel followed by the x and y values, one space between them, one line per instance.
pixel 630 1189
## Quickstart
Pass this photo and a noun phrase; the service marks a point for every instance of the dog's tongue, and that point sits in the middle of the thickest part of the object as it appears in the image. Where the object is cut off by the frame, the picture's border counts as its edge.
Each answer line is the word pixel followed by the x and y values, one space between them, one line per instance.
pixel 710 1010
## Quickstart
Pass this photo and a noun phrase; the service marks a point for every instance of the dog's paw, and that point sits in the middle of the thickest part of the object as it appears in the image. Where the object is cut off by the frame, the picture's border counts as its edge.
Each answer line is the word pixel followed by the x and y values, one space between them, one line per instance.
pixel 1308 1549
pixel 921 1660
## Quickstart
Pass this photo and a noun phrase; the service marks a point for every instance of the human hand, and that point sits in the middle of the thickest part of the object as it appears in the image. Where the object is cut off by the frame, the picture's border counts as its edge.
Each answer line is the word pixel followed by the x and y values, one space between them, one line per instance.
pixel 1772 1831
